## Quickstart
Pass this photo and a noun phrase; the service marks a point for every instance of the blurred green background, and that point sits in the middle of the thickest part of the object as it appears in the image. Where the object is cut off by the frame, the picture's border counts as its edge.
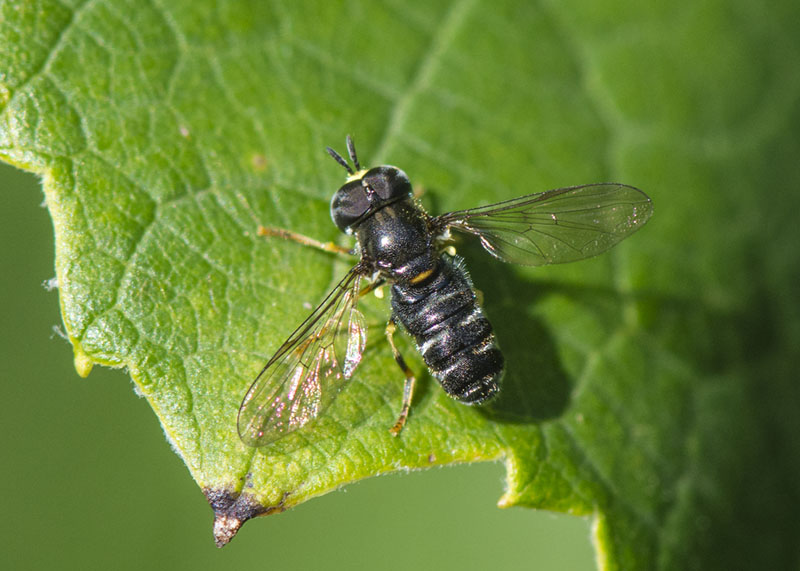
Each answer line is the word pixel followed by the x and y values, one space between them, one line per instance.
pixel 91 483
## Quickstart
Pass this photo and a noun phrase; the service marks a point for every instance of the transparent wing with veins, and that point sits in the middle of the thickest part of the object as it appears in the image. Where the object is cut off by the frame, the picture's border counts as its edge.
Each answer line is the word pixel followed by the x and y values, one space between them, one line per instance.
pixel 557 226
pixel 307 372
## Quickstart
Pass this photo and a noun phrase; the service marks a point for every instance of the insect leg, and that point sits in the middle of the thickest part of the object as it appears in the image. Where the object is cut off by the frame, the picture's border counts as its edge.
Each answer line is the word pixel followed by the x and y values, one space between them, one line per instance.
pixel 304 240
pixel 408 386
pixel 371 287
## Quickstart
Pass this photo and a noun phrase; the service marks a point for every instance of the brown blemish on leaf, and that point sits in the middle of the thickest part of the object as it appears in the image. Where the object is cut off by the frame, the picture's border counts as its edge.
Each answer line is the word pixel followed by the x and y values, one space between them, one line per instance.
pixel 231 510
pixel 259 162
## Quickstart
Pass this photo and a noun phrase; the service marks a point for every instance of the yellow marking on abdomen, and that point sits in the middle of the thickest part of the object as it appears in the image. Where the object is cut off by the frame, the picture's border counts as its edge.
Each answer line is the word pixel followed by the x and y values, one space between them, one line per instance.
pixel 422 276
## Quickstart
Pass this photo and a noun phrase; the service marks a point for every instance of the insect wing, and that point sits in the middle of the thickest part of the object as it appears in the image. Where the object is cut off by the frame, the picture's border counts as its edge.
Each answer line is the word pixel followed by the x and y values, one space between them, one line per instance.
pixel 557 226
pixel 310 368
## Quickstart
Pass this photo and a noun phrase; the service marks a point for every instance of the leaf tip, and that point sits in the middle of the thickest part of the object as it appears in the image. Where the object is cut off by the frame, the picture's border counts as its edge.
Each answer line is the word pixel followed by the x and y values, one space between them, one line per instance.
pixel 232 510
pixel 225 528
pixel 508 500
pixel 83 363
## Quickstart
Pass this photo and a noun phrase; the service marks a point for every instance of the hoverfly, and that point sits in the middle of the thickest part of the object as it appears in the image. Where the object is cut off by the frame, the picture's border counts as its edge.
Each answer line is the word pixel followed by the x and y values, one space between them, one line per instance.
pixel 432 296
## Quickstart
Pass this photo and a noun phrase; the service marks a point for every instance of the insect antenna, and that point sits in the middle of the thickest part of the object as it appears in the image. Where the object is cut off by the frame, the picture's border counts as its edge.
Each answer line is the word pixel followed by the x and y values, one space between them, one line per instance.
pixel 351 149
pixel 338 158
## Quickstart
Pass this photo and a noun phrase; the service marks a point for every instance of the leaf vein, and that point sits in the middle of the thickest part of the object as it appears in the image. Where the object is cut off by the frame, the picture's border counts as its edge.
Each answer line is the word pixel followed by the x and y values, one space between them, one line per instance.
pixel 440 42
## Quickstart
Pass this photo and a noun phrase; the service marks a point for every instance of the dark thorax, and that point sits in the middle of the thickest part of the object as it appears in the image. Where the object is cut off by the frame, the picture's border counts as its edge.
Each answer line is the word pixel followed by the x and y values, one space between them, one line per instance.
pixel 398 241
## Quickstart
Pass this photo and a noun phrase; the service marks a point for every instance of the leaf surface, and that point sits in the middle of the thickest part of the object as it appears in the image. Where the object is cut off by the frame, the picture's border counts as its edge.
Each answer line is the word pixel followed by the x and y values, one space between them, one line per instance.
pixel 650 387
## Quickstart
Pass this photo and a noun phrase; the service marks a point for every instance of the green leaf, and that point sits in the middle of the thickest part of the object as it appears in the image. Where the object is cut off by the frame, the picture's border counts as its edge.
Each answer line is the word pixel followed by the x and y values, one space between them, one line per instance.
pixel 651 388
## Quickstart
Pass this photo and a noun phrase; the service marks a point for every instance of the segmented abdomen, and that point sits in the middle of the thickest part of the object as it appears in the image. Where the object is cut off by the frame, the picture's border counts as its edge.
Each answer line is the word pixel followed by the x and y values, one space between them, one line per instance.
pixel 451 331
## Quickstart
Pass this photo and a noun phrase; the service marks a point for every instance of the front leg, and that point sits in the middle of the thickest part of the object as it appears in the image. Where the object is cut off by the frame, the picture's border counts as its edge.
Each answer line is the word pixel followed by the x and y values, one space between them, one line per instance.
pixel 305 240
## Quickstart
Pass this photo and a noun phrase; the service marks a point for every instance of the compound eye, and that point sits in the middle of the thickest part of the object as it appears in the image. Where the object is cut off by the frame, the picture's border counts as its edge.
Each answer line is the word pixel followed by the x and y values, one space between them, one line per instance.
pixel 388 182
pixel 348 204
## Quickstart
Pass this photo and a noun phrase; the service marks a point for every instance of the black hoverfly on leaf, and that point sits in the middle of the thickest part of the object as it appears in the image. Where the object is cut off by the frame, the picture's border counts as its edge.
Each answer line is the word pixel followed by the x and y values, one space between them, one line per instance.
pixel 432 296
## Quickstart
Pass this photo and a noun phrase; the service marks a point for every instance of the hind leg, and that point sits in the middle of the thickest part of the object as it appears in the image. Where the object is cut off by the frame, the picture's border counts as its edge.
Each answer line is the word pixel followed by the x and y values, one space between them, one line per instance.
pixel 408 385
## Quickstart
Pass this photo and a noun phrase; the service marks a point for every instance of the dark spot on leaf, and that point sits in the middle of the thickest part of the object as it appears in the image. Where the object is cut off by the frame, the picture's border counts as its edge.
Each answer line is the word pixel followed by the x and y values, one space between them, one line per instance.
pixel 232 509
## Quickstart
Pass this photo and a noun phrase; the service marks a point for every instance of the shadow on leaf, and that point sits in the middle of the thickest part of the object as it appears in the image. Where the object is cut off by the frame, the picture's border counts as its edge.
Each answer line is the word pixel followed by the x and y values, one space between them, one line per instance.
pixel 535 386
